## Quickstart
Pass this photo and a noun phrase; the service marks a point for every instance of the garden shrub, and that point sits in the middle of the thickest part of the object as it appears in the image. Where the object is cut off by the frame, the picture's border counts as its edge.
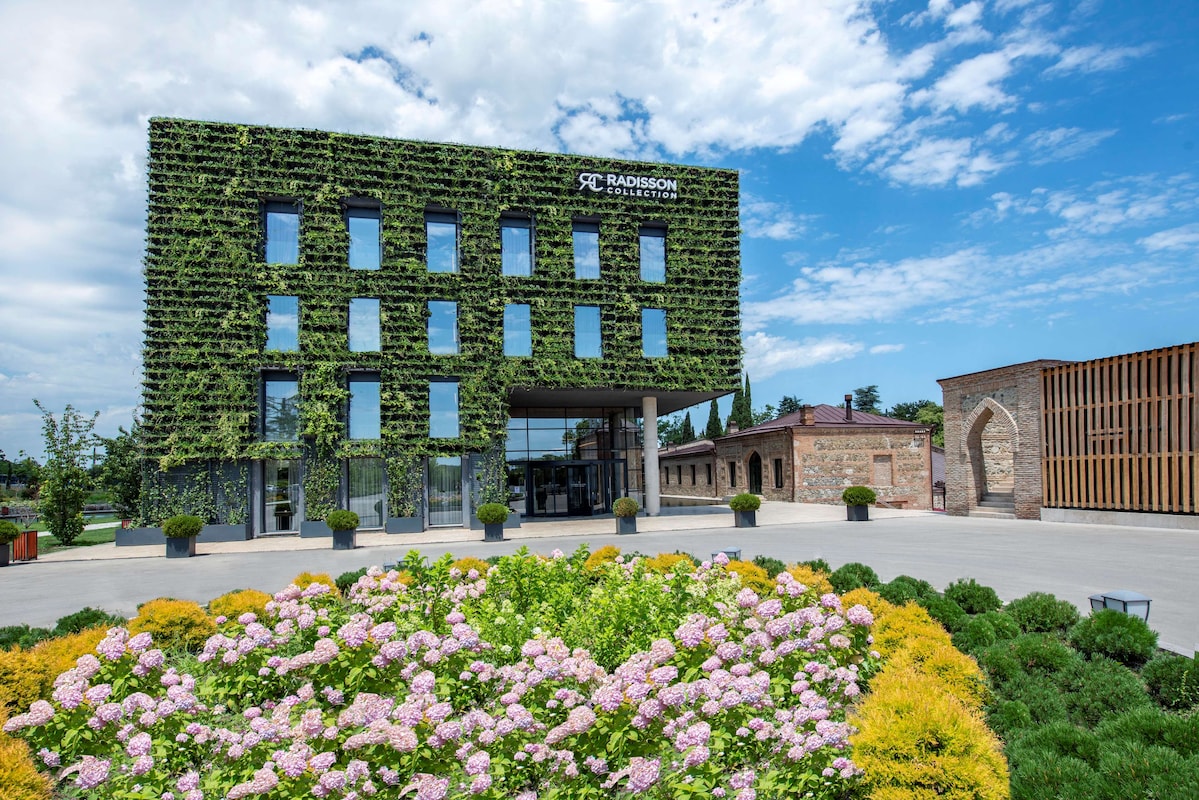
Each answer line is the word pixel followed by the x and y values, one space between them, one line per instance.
pixel 602 556
pixel 1152 725
pixel 625 507
pixel 1041 612
pixel 984 630
pixel 865 597
pixel 1059 738
pixel 174 624
pixel 935 656
pixel 923 588
pixel 666 562
pixel 973 597
pixel 347 579
pixel 86 618
pixel 816 580
pixel 1041 653
pixel 1118 636
pixel 1173 682
pixel 852 576
pixel 752 576
pixel 342 520
pixel 1100 688
pixel 1009 718
pixel 306 579
pixel 745 502
pixel 23 679
pixel 772 565
pixel 1134 769
pixel 858 496
pixel 1039 693
pixel 916 740
pixel 232 605
pixel 493 513
pixel 467 563
pixel 898 592
pixel 903 625
pixel 818 564
pixel 182 526
pixel 22 636
pixel 944 611
pixel 19 778
pixel 1040 775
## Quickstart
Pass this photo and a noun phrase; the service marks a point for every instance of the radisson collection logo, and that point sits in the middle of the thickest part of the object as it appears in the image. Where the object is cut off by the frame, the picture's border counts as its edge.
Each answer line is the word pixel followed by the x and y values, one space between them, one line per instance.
pixel 629 185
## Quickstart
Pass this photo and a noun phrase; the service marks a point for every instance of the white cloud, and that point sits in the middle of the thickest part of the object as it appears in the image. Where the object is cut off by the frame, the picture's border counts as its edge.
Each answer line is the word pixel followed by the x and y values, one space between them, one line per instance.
pixel 974 82
pixel 1184 237
pixel 762 219
pixel 767 355
pixel 880 349
pixel 1096 58
pixel 1063 144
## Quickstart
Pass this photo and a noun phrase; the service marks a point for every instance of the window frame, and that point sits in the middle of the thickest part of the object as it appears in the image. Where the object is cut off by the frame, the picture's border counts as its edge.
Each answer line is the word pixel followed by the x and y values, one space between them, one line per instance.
pixel 274 376
pixel 364 377
pixel 363 208
pixel 457 407
pixel 280 206
pixel 267 324
pixel 599 324
pixel 651 231
pixel 457 341
pixel 433 217
pixel 515 221
pixel 589 226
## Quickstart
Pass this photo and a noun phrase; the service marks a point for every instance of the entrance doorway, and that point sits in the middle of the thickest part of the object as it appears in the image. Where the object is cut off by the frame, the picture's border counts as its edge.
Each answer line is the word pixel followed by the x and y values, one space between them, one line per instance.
pixel 280 496
pixel 445 491
pixel 366 493
pixel 566 489
pixel 755 473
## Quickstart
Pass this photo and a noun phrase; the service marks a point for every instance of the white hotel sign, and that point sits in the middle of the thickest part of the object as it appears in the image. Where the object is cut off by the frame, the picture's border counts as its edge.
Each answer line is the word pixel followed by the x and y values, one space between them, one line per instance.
pixel 629 185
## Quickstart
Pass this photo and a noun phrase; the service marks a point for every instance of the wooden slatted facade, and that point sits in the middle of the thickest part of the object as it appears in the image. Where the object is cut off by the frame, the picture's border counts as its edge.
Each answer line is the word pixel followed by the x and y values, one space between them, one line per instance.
pixel 1122 433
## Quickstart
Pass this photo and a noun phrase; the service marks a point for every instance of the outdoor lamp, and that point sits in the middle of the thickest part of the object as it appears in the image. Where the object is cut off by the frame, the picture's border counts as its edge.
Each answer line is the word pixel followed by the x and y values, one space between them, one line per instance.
pixel 734 553
pixel 1124 601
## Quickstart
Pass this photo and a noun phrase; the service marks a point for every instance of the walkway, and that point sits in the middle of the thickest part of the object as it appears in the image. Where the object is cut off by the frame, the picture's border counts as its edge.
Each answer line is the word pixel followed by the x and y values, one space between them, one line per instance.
pixel 1014 556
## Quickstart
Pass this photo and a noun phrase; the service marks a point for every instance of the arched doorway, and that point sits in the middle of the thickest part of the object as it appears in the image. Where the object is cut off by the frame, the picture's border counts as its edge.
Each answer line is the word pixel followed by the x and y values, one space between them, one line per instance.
pixel 755 473
pixel 991 444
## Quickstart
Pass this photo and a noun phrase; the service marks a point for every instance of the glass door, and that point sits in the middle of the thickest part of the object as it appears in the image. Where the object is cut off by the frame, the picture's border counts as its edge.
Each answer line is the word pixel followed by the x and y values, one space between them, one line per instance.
pixel 549 490
pixel 584 492
pixel 280 496
pixel 445 491
pixel 366 491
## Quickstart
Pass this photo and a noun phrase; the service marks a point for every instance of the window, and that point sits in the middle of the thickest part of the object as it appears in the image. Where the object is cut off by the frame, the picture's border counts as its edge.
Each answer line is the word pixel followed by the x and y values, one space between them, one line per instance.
pixel 364 406
pixel 282 233
pixel 778 473
pixel 586 241
pixel 653 333
pixel 882 470
pixel 678 474
pixel 364 325
pixel 282 323
pixel 518 335
pixel 443 409
pixel 441 234
pixel 708 469
pixel 666 476
pixel 692 474
pixel 443 327
pixel 280 409
pixel 653 254
pixel 587 332
pixel 516 247
pixel 732 473
pixel 363 225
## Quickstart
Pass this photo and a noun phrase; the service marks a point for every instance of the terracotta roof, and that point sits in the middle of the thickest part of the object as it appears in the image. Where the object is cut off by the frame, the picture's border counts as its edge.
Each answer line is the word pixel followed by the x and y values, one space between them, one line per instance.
pixel 826 416
pixel 695 448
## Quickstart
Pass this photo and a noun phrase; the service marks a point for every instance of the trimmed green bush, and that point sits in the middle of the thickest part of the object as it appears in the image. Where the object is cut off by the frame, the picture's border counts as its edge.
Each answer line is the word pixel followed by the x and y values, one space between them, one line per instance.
pixel 1101 688
pixel 625 507
pixel 976 634
pixel 944 611
pixel 973 597
pixel 1041 612
pixel 342 520
pixel 1118 636
pixel 1151 725
pixel 492 513
pixel 818 564
pixel 858 496
pixel 1009 718
pixel 8 531
pixel 347 579
pixel 1173 682
pixel 1041 774
pixel 853 575
pixel 898 592
pixel 22 636
pixel 86 618
pixel 772 565
pixel 745 502
pixel 182 526
pixel 922 587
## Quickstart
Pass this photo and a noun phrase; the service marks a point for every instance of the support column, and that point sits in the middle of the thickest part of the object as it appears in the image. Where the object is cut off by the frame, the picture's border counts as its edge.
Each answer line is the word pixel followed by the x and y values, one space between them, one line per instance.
pixel 649 455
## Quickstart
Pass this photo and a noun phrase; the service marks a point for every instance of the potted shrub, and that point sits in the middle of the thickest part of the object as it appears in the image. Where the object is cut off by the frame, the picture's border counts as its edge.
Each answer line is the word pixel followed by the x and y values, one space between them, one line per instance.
pixel 626 509
pixel 8 534
pixel 745 510
pixel 493 516
pixel 857 501
pixel 181 531
pixel 344 525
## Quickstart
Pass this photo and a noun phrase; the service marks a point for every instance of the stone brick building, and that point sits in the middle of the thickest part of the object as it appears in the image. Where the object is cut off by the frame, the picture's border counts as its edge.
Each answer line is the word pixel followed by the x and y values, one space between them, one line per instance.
pixel 809 456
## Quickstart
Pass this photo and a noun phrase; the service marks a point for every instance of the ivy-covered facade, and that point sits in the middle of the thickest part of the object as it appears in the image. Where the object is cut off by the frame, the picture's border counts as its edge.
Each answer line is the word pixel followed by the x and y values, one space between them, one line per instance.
pixel 408 328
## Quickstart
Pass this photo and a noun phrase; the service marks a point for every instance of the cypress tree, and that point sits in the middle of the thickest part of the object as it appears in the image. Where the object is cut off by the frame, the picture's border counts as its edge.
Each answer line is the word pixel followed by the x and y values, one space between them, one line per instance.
pixel 742 412
pixel 714 428
pixel 688 430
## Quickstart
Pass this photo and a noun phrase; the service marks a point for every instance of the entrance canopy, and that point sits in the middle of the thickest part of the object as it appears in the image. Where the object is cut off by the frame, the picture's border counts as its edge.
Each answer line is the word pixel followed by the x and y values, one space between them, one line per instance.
pixel 668 402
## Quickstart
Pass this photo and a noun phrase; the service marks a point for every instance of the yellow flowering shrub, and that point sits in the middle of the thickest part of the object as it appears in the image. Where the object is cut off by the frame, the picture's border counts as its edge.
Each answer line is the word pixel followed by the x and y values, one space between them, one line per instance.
pixel 470 562
pixel 815 580
pixel 177 624
pixel 306 579
pixel 665 562
pixel 28 675
pixel 753 577
pixel 19 778
pixel 602 556
pixel 902 625
pixel 234 604
pixel 958 672
pixel 862 596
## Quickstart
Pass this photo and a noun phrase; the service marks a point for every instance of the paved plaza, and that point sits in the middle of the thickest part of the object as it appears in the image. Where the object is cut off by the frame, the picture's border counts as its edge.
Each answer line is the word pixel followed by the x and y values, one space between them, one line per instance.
pixel 1015 557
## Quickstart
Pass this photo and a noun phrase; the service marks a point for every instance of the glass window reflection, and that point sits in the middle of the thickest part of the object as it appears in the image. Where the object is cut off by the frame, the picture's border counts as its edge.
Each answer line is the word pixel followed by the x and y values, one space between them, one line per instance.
pixel 516 247
pixel 443 410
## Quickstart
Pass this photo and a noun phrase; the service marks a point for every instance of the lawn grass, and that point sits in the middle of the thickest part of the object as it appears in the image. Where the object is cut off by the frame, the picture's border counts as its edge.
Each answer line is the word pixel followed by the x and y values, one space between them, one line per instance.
pixel 51 544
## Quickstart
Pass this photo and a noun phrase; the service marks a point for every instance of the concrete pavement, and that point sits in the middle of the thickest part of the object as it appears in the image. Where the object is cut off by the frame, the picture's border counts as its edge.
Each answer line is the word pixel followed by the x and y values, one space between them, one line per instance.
pixel 1013 556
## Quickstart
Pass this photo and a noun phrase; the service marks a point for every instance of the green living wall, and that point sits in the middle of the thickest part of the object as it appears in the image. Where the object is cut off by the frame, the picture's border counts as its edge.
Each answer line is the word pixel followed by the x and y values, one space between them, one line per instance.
pixel 207 283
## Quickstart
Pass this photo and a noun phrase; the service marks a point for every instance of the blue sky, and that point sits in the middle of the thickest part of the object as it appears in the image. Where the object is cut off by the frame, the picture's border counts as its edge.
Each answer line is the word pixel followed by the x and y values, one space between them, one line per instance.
pixel 928 189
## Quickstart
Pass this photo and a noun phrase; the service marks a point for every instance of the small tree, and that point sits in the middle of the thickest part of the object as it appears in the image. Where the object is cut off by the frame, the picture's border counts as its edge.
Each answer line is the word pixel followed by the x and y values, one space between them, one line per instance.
pixel 121 470
pixel 789 404
pixel 714 428
pixel 65 479
pixel 688 432
pixel 926 412
pixel 865 398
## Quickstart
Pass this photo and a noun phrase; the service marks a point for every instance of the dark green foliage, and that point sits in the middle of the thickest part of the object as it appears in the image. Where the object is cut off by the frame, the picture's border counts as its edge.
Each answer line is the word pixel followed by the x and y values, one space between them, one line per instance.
pixel 818 564
pixel 772 565
pixel 688 430
pixel 944 611
pixel 493 513
pixel 923 588
pixel 973 597
pixel 865 398
pixel 1097 689
pixel 1042 775
pixel 121 470
pixel 8 531
pixel 1039 693
pixel 1151 725
pixel 714 428
pixel 1173 682
pixel 625 507
pixel 342 520
pixel 976 634
pixel 858 496
pixel 22 636
pixel 789 404
pixel 493 560
pixel 695 562
pixel 1041 612
pixel 1134 769
pixel 347 579
pixel 853 575
pixel 1041 654
pixel 898 592
pixel 742 409
pixel 65 480
pixel 87 618
pixel 1118 636
pixel 745 502
pixel 1009 718
pixel 182 526
pixel 1059 739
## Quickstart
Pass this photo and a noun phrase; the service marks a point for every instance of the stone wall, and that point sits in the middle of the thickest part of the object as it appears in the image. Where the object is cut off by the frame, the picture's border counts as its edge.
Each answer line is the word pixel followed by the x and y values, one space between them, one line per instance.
pixel 991 413
pixel 829 461
pixel 769 446
pixel 701 463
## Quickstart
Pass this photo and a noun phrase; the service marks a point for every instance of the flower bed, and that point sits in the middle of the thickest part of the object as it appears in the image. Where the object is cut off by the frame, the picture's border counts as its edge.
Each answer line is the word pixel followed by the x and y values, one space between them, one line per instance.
pixel 540 678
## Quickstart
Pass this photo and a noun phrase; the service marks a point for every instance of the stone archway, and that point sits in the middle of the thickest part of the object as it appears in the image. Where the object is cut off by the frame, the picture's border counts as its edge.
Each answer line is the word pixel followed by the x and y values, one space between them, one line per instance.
pixel 990 440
